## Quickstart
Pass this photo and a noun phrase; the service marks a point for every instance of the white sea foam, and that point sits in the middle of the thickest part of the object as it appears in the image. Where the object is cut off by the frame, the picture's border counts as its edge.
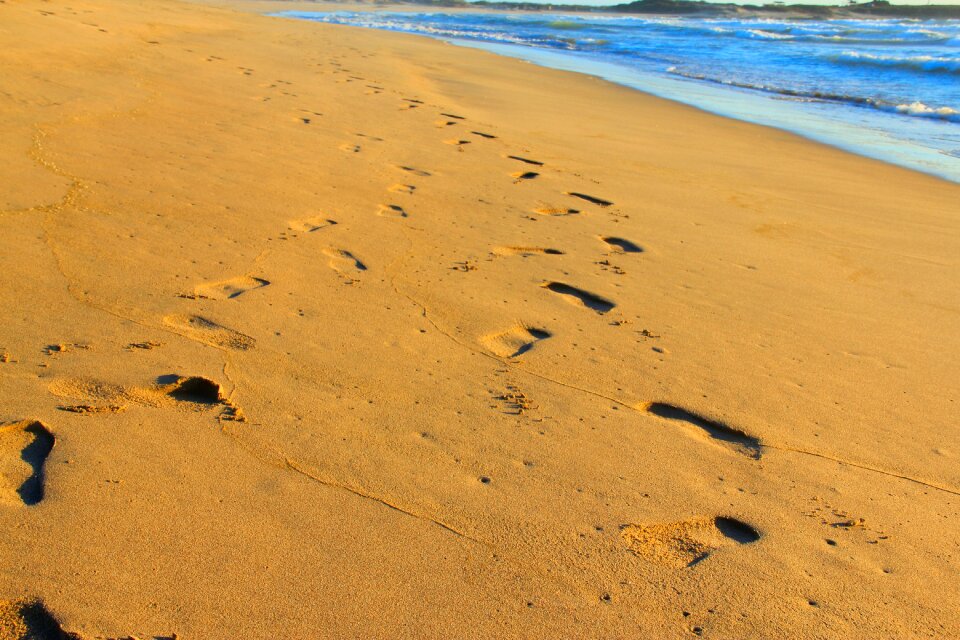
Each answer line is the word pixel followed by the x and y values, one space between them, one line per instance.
pixel 929 64
pixel 890 84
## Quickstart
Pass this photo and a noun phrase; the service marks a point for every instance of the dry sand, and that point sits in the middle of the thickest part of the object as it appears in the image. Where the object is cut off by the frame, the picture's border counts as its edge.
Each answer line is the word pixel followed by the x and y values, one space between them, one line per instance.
pixel 307 333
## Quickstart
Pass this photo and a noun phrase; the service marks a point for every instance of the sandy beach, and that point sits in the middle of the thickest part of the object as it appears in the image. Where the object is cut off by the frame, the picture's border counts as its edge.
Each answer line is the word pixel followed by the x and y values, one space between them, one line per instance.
pixel 311 331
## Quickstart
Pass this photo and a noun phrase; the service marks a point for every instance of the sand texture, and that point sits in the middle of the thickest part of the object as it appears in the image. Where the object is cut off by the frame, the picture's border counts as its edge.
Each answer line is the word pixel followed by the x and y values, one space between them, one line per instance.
pixel 317 332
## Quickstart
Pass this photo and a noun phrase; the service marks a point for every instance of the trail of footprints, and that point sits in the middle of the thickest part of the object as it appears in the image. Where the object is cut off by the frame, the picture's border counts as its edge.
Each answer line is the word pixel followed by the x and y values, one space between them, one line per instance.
pixel 25 445
pixel 514 342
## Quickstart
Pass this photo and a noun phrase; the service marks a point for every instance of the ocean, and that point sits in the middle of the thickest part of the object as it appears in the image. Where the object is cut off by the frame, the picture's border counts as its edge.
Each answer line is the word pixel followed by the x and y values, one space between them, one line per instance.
pixel 888 89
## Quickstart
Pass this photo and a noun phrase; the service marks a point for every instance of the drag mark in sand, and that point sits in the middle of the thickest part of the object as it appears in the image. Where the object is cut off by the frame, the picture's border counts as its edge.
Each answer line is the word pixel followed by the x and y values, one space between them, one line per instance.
pixel 24 447
pixel 724 434
pixel 579 297
pixel 294 466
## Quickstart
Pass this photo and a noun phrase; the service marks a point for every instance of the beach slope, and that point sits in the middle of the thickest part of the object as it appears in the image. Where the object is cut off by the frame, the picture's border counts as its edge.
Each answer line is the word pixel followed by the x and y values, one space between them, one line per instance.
pixel 310 331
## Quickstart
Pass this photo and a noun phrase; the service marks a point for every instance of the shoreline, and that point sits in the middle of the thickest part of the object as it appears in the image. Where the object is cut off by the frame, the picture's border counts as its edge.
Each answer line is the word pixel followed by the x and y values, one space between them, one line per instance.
pixel 724 101
pixel 316 331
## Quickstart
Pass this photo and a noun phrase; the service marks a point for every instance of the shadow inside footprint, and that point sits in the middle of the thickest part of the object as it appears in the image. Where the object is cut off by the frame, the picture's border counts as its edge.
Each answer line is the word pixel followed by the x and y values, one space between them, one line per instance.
pixel 600 202
pixel 193 389
pixel 743 443
pixel 34 455
pixel 580 297
pixel 735 530
pixel 515 341
pixel 535 163
pixel 622 244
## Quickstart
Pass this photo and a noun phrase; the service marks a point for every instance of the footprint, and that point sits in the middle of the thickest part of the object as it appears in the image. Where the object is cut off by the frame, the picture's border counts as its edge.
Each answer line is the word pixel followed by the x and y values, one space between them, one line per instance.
pixel 450 115
pixel 580 297
pixel 597 201
pixel 526 251
pixel 311 224
pixel 688 542
pixel 414 171
pixel 520 176
pixel 526 160
pixel 456 142
pixel 209 332
pixel 621 244
pixel 515 341
pixel 226 289
pixel 403 188
pixel 728 436
pixel 188 392
pixel 350 148
pixel 488 136
pixel 556 211
pixel 391 211
pixel 344 263
pixel 24 447
pixel 445 123
pixel 200 392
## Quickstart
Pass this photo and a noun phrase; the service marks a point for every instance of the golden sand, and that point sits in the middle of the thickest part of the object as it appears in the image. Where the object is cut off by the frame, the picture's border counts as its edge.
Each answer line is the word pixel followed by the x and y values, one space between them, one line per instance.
pixel 317 332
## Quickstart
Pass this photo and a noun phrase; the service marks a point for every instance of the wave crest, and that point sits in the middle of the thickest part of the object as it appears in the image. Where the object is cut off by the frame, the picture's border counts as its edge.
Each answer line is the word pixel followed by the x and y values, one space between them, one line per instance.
pixel 923 64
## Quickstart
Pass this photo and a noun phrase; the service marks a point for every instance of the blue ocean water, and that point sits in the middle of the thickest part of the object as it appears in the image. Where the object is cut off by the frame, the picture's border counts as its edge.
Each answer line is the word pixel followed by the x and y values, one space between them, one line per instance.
pixel 888 89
